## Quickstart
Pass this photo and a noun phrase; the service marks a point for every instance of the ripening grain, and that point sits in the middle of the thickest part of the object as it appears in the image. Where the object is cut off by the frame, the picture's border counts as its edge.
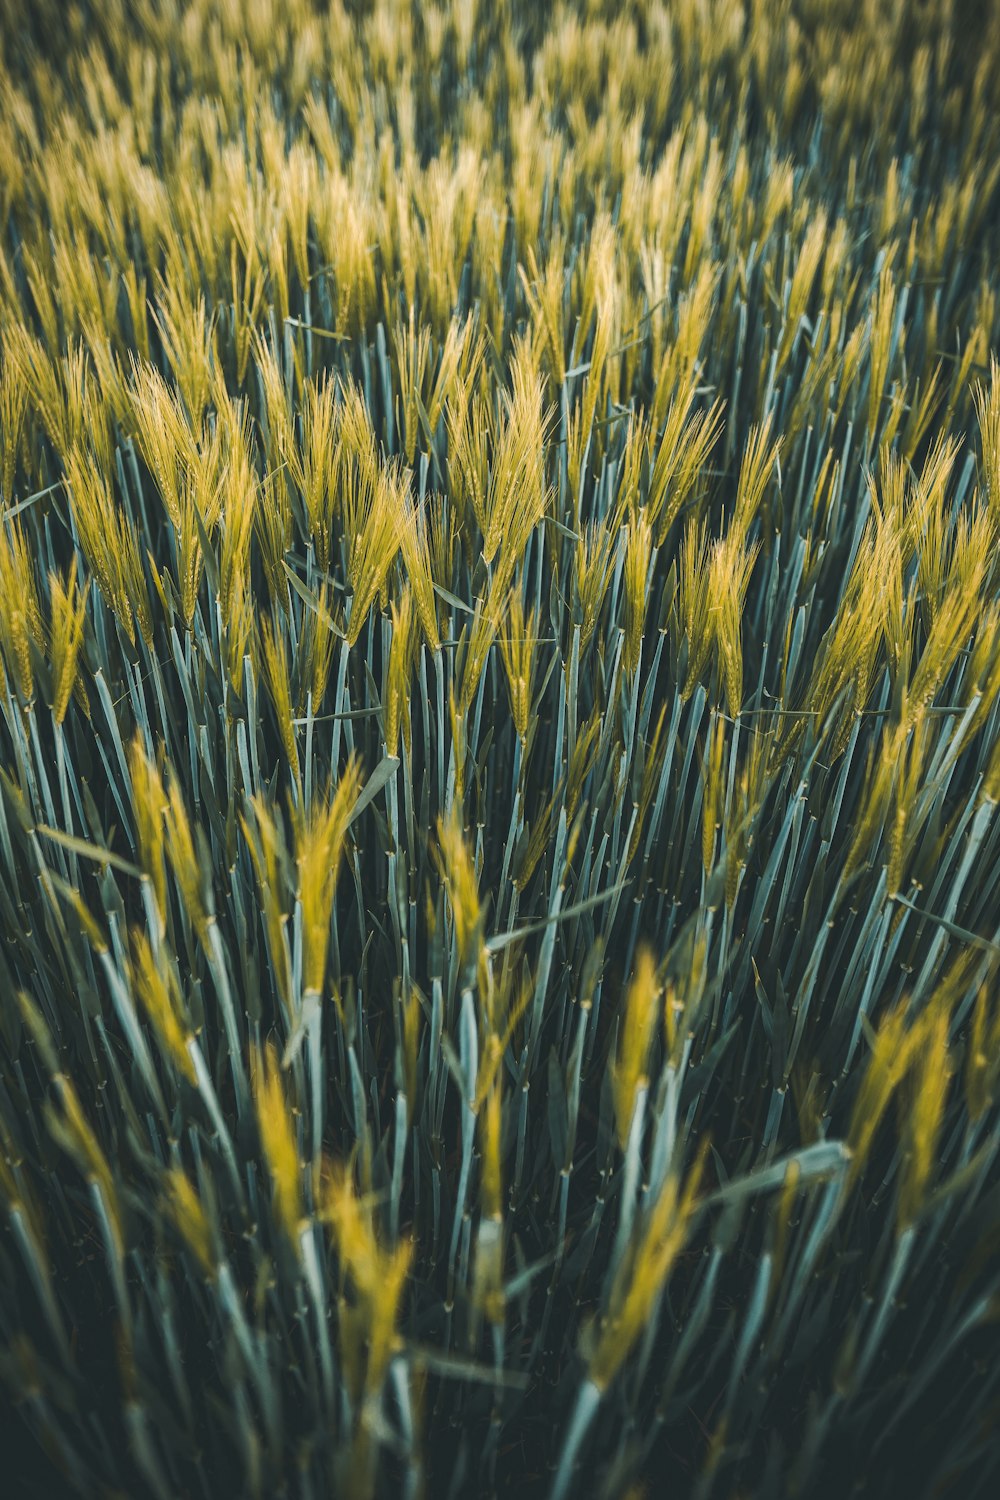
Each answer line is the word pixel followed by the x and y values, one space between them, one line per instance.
pixel 499 749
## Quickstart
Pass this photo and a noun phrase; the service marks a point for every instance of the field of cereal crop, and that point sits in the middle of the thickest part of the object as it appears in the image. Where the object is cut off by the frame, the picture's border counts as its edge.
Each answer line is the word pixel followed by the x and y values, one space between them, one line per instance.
pixel 499 749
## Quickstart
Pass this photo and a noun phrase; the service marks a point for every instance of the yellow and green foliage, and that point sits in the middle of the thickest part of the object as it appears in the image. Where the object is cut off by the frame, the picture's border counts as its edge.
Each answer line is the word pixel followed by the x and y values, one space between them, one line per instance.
pixel 499 747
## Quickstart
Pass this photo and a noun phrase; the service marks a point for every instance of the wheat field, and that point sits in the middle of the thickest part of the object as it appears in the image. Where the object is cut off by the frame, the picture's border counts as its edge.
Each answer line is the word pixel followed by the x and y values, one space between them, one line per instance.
pixel 499 749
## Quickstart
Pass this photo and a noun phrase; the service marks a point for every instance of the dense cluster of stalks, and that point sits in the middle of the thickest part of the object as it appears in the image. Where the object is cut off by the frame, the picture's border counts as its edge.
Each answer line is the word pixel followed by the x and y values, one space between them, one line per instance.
pixel 500 747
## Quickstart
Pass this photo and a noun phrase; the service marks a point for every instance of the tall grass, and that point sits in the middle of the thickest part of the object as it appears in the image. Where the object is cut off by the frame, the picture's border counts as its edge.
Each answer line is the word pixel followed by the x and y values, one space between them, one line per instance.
pixel 499 748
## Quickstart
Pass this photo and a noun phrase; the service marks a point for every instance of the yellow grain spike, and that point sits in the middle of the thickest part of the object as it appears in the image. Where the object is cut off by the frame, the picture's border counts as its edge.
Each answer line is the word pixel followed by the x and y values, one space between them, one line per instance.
pixel 188 336
pixel 316 646
pixel 883 313
pixel 681 458
pixel 891 1052
pixel 68 609
pixel 635 1038
pixel 111 545
pixel 490 1184
pixel 413 350
pixel 320 845
pixel 149 805
pixel 730 568
pixel 518 643
pixel 516 497
pixel 155 983
pixel 759 457
pixel 458 871
pixel 20 616
pixel 593 565
pixel 320 463
pixel 375 512
pixel 643 1273
pixel 803 279
pixel 73 1133
pixel 268 853
pixel 416 548
pixel 187 1213
pixel 400 667
pixel 378 1275
pixel 13 408
pixel 638 557
pixel 277 1133
pixel 186 864
pixel 163 434
pixel 712 807
pixel 478 637
pixel 274 652
pixel 923 1113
